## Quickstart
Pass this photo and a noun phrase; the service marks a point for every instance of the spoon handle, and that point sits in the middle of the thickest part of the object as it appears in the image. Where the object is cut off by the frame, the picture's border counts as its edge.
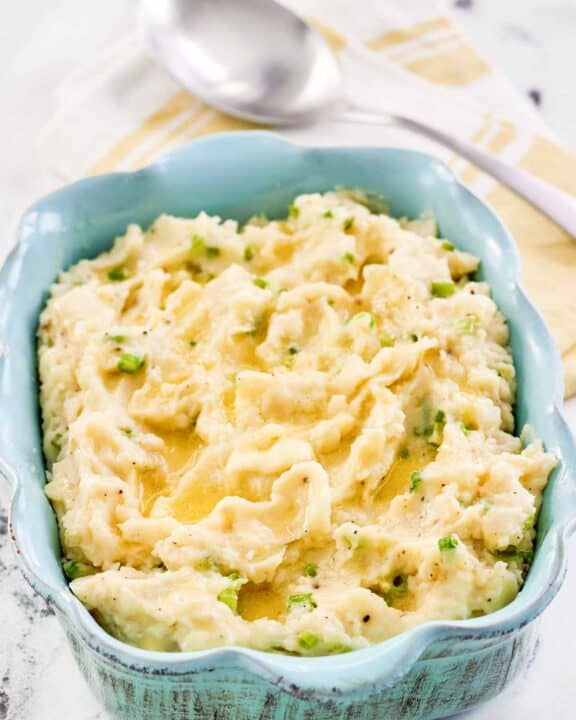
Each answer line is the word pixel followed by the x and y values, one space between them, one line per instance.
pixel 558 205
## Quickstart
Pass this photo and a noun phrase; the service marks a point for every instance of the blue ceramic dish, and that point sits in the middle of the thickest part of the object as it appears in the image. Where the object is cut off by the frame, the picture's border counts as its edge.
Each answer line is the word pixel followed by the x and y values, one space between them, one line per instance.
pixel 432 671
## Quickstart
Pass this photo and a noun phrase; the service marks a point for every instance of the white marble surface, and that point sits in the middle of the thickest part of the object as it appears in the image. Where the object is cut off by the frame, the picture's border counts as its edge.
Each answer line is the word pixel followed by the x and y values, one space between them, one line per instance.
pixel 531 40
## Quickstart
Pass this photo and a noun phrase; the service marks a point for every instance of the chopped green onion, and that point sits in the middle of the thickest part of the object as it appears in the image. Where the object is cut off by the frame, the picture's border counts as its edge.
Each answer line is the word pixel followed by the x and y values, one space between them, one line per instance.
pixel 229 596
pixel 259 326
pixel 374 202
pixel 304 601
pixel 443 289
pixel 117 274
pixel 248 253
pixel 197 244
pixel 257 220
pixel 447 245
pixel 117 338
pixel 468 325
pixel 339 648
pixel 349 258
pixel 513 553
pixel 529 523
pixel 192 343
pixel 212 251
pixel 74 569
pixel 355 543
pixel 233 576
pixel 293 350
pixel 328 214
pixel 311 570
pixel 206 564
pixel 293 211
pixel 440 417
pixel 129 363
pixel 363 316
pixel 260 282
pixel 404 453
pixel 426 431
pixel 415 480
pixel 386 340
pixel 307 640
pixel 348 224
pixel 413 337
pixel 449 542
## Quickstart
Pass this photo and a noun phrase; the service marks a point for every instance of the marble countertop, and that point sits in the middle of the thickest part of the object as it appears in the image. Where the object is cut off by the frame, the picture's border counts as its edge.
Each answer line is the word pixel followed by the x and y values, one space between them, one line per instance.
pixel 531 40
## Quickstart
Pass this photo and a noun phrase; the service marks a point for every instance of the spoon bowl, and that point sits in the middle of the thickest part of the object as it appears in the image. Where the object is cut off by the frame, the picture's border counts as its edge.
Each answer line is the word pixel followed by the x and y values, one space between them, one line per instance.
pixel 257 60
pixel 254 59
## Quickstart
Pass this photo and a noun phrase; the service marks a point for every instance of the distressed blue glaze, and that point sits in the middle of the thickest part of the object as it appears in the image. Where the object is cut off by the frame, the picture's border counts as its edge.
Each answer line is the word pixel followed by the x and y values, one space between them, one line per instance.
pixel 431 671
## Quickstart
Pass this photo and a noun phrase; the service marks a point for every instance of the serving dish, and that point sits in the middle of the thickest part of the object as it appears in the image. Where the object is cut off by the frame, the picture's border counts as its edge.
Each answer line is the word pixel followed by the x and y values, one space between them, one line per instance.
pixel 432 671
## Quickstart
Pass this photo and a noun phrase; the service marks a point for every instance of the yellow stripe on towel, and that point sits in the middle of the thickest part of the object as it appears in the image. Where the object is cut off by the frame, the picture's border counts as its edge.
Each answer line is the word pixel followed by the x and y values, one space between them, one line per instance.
pixel 335 40
pixel 461 65
pixel 504 136
pixel 402 35
pixel 456 65
pixel 150 126
pixel 551 162
pixel 218 122
pixel 167 139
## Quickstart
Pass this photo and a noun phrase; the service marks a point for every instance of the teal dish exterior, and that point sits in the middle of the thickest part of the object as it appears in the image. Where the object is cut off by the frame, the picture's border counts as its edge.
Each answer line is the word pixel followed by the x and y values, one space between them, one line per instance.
pixel 432 671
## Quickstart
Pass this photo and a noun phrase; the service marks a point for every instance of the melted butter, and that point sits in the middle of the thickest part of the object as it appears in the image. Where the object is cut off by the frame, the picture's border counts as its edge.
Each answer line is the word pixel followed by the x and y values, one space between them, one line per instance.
pixel 283 253
pixel 229 403
pixel 131 303
pixel 196 502
pixel 354 287
pixel 198 499
pixel 110 381
pixel 434 362
pixel 152 486
pixel 331 461
pixel 180 448
pixel 257 601
pixel 397 479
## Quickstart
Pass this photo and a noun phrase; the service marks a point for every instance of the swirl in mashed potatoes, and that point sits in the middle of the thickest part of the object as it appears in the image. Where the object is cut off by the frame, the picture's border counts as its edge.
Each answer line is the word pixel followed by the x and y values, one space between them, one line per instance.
pixel 295 436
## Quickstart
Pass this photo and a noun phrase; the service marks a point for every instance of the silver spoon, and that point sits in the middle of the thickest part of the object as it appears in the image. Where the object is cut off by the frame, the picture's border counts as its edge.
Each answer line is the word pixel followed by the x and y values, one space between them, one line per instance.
pixel 257 60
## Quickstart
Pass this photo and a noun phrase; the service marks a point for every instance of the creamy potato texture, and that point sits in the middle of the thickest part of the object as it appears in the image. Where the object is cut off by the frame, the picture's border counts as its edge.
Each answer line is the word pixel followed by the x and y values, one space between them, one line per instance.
pixel 297 435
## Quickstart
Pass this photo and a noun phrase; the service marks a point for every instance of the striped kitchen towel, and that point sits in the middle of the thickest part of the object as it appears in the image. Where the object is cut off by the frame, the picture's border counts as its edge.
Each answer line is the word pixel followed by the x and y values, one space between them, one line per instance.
pixel 123 111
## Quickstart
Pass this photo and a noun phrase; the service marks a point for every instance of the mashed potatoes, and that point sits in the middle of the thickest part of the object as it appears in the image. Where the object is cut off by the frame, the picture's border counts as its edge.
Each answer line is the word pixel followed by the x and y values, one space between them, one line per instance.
pixel 294 436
